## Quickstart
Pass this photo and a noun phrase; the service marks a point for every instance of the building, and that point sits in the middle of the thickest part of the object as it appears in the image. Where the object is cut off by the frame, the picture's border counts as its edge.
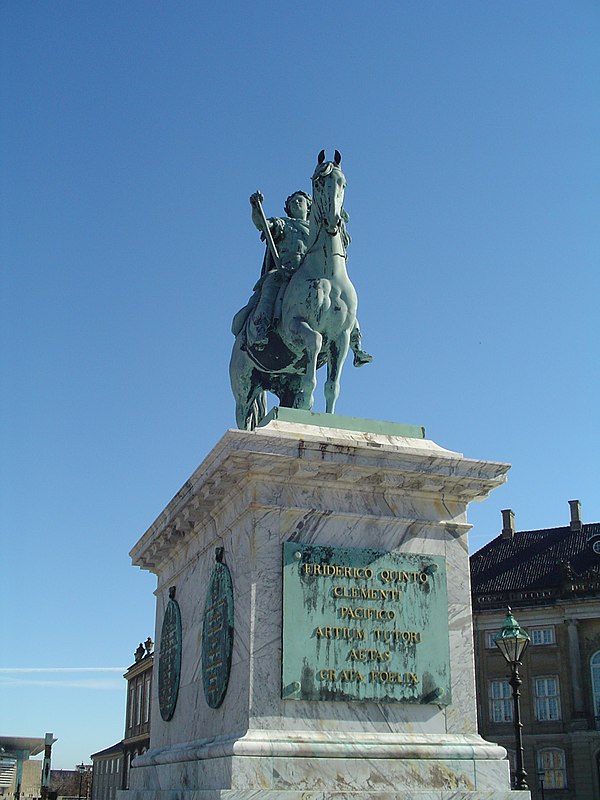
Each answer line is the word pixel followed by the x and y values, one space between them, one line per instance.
pixel 71 783
pixel 31 779
pixel 107 772
pixel 111 765
pixel 551 580
pixel 137 716
pixel 20 776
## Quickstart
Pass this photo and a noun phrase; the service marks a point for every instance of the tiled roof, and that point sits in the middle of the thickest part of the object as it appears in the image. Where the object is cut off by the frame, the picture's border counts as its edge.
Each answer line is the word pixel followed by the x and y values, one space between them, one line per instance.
pixel 537 560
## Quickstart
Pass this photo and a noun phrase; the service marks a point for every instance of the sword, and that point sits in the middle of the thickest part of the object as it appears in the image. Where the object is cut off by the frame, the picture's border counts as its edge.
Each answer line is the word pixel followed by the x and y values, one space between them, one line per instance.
pixel 267 231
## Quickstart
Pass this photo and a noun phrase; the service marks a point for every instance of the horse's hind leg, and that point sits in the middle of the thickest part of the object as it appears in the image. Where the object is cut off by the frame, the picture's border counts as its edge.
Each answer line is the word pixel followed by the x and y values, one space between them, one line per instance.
pixel 338 350
pixel 310 342
pixel 243 416
pixel 247 389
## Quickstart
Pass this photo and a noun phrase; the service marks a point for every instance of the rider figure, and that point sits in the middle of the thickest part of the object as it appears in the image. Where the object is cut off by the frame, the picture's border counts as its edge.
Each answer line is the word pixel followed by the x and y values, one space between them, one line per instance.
pixel 290 236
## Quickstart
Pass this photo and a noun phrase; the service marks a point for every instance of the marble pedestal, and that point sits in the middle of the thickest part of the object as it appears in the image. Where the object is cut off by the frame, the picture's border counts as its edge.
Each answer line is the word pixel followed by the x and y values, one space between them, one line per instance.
pixel 291 481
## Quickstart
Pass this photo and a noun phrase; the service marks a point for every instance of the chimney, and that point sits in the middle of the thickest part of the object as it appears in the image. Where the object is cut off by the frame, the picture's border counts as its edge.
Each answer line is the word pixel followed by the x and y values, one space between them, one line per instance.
pixel 508 523
pixel 575 515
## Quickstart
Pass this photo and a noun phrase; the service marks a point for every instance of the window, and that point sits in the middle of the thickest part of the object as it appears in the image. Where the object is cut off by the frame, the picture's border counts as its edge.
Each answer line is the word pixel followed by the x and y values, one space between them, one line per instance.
pixel 138 710
pixel 131 705
pixel 541 636
pixel 148 684
pixel 501 704
pixel 547 699
pixel 490 644
pixel 595 670
pixel 552 768
pixel 126 768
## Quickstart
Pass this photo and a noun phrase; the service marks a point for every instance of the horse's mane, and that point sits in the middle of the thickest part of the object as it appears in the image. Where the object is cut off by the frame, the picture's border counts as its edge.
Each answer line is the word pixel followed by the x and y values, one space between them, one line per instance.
pixel 346 238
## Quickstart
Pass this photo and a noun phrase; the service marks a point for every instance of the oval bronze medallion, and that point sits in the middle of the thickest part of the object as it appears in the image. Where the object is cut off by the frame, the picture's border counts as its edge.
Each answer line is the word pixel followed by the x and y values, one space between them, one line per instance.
pixel 169 658
pixel 217 633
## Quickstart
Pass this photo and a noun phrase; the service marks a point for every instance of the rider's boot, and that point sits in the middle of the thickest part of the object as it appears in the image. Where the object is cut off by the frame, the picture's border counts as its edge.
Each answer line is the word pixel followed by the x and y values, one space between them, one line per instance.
pixel 361 357
pixel 263 316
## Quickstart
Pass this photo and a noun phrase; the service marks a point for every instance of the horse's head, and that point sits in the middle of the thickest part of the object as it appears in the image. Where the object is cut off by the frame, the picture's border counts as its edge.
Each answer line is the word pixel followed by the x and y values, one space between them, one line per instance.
pixel 329 185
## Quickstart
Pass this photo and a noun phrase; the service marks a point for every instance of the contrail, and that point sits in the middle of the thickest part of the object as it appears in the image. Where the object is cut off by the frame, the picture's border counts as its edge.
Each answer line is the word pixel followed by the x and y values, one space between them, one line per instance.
pixel 8 681
pixel 63 669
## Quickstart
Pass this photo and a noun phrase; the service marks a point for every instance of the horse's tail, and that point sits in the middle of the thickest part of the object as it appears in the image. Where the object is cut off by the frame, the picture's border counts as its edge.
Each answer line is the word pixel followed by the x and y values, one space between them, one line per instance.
pixel 259 409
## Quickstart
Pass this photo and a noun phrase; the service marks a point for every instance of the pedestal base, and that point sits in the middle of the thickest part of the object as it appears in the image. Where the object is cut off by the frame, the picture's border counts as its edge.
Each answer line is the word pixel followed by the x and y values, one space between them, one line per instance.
pixel 275 794
pixel 357 484
pixel 290 764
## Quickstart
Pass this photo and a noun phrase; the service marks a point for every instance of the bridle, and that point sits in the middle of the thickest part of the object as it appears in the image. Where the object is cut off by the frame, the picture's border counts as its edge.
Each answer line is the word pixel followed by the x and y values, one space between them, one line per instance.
pixel 323 170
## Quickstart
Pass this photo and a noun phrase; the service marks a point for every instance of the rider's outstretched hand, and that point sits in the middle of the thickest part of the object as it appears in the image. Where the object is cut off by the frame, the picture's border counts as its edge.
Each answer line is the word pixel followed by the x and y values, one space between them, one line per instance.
pixel 256 198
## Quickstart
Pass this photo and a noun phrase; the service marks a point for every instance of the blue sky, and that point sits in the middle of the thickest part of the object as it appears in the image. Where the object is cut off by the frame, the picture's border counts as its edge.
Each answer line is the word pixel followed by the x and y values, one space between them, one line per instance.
pixel 132 135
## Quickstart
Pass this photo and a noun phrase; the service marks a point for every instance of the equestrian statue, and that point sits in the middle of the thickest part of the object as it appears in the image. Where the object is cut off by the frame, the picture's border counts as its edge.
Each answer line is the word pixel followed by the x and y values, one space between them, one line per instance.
pixel 302 313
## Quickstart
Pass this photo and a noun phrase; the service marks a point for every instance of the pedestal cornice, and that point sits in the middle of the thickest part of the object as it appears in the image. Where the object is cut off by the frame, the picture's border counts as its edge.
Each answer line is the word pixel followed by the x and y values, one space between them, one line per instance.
pixel 335 459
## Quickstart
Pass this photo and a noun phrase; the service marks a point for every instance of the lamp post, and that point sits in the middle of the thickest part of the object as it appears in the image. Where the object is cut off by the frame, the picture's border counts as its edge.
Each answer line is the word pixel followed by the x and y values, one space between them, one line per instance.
pixel 512 641
pixel 81 768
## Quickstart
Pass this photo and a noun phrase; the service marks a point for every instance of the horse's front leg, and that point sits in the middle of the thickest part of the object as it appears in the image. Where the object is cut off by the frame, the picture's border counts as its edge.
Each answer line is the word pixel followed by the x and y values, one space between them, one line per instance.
pixel 308 341
pixel 338 350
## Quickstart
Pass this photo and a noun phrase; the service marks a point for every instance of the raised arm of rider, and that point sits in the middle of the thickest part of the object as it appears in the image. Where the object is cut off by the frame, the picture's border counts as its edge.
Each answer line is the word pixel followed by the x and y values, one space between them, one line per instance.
pixel 256 217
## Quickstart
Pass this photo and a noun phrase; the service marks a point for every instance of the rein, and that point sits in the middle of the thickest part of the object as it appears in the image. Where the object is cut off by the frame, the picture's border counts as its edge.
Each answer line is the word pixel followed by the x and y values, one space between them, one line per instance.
pixel 320 227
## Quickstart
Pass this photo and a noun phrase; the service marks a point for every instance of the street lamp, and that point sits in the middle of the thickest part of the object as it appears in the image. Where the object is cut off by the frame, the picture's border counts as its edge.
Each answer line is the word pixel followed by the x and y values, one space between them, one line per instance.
pixel 541 777
pixel 81 769
pixel 512 641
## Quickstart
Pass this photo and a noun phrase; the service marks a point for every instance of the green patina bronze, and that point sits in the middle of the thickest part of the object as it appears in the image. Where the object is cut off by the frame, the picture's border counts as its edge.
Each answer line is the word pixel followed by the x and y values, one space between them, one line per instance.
pixel 344 423
pixel 169 658
pixel 361 624
pixel 217 633
pixel 302 314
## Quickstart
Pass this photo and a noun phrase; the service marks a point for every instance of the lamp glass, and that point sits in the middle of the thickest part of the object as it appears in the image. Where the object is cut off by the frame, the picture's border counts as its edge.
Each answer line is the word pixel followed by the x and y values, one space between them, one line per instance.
pixel 512 639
